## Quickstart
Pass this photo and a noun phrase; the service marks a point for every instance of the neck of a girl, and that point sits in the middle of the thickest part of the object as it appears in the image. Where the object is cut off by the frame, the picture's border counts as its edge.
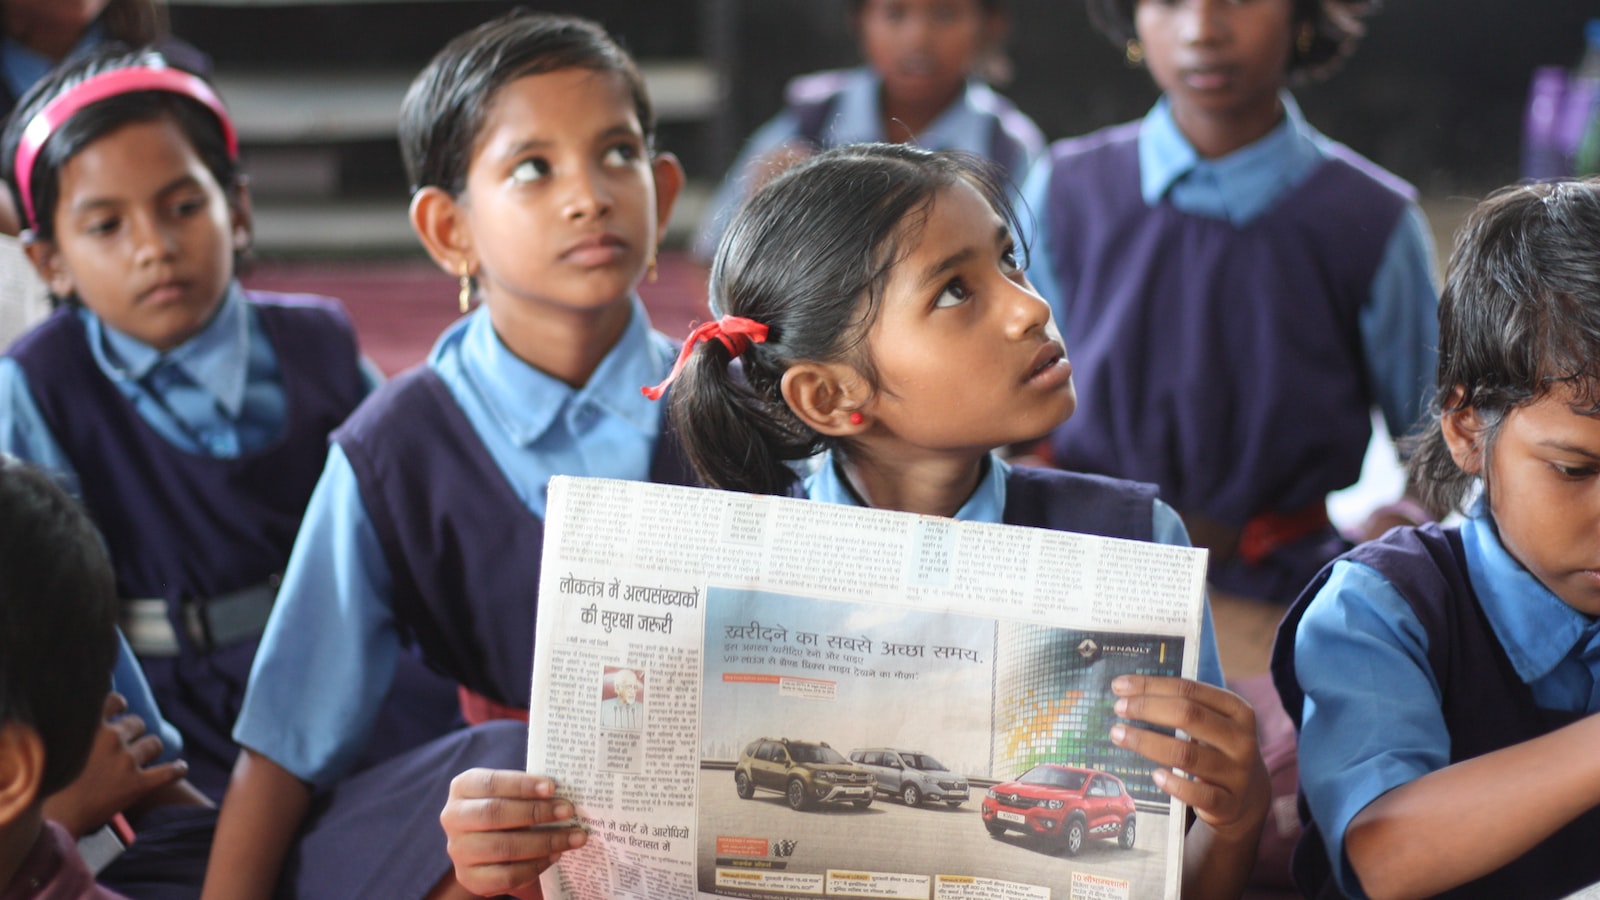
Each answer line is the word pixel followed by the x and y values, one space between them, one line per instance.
pixel 903 119
pixel 933 485
pixel 1216 135
pixel 565 344
pixel 17 840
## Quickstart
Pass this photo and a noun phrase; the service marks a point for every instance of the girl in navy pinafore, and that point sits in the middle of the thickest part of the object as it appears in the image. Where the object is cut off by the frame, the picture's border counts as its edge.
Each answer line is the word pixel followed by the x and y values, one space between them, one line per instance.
pixel 1443 679
pixel 1240 292
pixel 190 415
pixel 873 301
pixel 535 182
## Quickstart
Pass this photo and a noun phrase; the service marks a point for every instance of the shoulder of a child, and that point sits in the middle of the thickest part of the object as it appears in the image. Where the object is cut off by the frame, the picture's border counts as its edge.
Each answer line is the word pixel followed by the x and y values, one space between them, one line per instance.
pixel 818 87
pixel 1110 139
pixel 1344 155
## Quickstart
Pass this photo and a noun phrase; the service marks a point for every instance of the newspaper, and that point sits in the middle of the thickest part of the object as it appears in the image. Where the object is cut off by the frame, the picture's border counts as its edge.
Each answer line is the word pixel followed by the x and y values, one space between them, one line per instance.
pixel 736 691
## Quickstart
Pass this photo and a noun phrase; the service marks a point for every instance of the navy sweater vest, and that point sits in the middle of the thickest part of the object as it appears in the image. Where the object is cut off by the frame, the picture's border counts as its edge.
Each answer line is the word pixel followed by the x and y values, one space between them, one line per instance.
pixel 1486 705
pixel 1070 501
pixel 1223 363
pixel 462 549
pixel 183 525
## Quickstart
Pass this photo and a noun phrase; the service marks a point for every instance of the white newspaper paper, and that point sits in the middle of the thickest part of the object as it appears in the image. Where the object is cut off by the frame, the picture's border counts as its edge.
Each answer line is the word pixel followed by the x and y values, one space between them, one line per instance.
pixel 735 692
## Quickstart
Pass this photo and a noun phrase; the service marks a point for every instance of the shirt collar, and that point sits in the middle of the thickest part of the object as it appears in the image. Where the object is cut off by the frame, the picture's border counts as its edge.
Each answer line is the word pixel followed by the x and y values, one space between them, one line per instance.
pixel 987 503
pixel 959 127
pixel 526 402
pixel 1250 179
pixel 1537 628
pixel 217 358
pixel 22 66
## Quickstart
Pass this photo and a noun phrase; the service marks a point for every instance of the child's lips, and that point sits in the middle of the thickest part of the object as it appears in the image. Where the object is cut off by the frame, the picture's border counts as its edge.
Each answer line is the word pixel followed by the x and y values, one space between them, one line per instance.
pixel 164 293
pixel 595 250
pixel 1050 366
pixel 1207 77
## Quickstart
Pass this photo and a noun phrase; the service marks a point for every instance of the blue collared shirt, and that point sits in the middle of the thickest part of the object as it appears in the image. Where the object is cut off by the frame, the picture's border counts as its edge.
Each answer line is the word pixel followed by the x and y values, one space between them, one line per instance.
pixel 218 394
pixel 311 702
pixel 22 67
pixel 1373 720
pixel 1398 322
pixel 988 504
pixel 856 118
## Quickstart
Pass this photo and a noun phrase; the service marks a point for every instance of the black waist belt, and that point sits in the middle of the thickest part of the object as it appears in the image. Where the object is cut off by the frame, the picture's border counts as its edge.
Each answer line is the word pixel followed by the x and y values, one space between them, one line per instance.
pixel 209 623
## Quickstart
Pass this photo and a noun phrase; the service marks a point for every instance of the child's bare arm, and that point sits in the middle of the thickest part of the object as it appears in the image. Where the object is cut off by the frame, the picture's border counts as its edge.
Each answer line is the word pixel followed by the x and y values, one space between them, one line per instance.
pixel 261 814
pixel 1227 783
pixel 119 774
pixel 1431 834
pixel 493 824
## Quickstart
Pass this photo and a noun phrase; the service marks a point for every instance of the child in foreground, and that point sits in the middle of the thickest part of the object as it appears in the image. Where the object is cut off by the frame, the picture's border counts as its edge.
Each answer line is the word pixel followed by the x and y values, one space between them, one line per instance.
pixel 58 607
pixel 874 301
pixel 529 142
pixel 1443 679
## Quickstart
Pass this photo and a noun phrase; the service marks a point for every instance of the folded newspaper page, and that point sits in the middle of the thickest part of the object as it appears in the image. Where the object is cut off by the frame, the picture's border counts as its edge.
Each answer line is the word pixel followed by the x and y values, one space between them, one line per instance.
pixel 761 697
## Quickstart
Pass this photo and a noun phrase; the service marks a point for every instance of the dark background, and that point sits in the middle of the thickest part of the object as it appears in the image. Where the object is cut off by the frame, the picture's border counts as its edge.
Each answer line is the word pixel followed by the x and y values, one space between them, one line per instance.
pixel 1435 93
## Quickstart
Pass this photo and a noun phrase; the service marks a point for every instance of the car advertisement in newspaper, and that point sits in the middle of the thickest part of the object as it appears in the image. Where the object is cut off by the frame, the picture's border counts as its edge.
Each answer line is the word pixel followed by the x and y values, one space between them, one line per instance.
pixel 763 697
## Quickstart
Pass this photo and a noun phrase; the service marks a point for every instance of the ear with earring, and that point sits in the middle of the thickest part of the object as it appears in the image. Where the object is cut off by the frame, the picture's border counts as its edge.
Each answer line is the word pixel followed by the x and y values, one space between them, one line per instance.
pixel 856 418
pixel 1305 37
pixel 465 297
pixel 1133 53
pixel 650 268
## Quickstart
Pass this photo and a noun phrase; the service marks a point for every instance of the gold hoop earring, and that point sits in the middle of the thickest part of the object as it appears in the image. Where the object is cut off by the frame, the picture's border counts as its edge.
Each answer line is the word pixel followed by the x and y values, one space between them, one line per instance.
pixel 465 298
pixel 650 273
pixel 1133 53
pixel 1307 37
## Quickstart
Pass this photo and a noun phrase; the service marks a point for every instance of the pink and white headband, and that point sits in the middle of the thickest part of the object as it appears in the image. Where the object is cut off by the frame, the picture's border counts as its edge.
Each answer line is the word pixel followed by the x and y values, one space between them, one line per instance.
pixel 150 76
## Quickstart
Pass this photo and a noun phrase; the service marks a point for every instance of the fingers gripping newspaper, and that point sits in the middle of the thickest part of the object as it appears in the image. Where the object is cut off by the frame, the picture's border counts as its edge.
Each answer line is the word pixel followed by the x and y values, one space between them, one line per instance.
pixel 760 697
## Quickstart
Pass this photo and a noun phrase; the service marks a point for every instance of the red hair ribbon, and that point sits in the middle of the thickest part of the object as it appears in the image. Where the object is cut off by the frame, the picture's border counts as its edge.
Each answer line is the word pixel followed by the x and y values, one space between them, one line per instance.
pixel 735 332
pixel 152 75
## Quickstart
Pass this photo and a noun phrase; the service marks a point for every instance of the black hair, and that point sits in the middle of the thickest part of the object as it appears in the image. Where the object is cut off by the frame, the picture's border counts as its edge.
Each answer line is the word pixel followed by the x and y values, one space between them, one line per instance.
pixel 1335 30
pixel 196 120
pixel 1519 316
pixel 58 605
pixel 808 256
pixel 444 109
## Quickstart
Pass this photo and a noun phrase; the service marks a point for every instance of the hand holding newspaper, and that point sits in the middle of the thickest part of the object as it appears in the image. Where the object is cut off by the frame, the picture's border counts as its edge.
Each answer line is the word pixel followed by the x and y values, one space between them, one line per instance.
pixel 749 696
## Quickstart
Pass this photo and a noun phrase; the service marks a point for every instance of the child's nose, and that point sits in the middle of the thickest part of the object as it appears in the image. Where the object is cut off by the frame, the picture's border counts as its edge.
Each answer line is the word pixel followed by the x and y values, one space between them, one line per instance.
pixel 588 195
pixel 152 241
pixel 1029 312
pixel 1204 21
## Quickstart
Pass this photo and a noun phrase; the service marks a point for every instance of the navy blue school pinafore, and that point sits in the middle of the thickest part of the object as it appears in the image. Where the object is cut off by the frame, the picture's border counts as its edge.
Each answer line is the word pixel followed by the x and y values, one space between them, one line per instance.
pixel 188 527
pixel 1221 362
pixel 448 522
pixel 1486 707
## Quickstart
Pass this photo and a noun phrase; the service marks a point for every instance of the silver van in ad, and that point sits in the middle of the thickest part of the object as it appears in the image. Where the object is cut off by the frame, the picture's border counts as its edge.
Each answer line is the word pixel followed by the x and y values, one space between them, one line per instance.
pixel 912 775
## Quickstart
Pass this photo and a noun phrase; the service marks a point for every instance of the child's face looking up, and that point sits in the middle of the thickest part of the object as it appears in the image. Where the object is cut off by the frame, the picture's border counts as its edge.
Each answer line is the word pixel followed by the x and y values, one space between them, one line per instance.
pixel 1543 483
pixel 923 49
pixel 968 358
pixel 1218 59
pixel 144 235
pixel 561 208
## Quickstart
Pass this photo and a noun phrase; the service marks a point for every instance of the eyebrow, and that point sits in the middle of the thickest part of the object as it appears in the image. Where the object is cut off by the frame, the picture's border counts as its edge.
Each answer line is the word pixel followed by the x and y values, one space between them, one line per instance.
pixel 621 129
pixel 956 259
pixel 183 181
pixel 1570 448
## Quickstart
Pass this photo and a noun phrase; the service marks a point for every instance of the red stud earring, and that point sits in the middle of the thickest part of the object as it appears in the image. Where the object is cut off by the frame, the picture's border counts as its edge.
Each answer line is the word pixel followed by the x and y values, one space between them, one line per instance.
pixel 856 418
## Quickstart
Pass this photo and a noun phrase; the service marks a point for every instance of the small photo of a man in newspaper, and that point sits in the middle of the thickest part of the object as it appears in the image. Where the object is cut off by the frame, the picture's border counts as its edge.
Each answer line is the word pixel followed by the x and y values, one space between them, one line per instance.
pixel 622 699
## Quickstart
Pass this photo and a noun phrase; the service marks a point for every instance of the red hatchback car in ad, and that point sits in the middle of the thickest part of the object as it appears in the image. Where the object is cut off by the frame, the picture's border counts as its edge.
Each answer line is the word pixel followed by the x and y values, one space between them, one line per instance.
pixel 1063 805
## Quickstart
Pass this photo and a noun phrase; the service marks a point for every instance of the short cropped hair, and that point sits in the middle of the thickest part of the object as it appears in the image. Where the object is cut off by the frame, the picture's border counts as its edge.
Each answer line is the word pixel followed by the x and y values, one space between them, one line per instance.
pixel 444 109
pixel 57 619
pixel 1336 29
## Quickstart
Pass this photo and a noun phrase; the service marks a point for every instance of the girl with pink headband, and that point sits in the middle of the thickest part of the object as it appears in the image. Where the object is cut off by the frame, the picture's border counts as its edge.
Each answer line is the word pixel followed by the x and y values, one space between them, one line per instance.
pixel 190 416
